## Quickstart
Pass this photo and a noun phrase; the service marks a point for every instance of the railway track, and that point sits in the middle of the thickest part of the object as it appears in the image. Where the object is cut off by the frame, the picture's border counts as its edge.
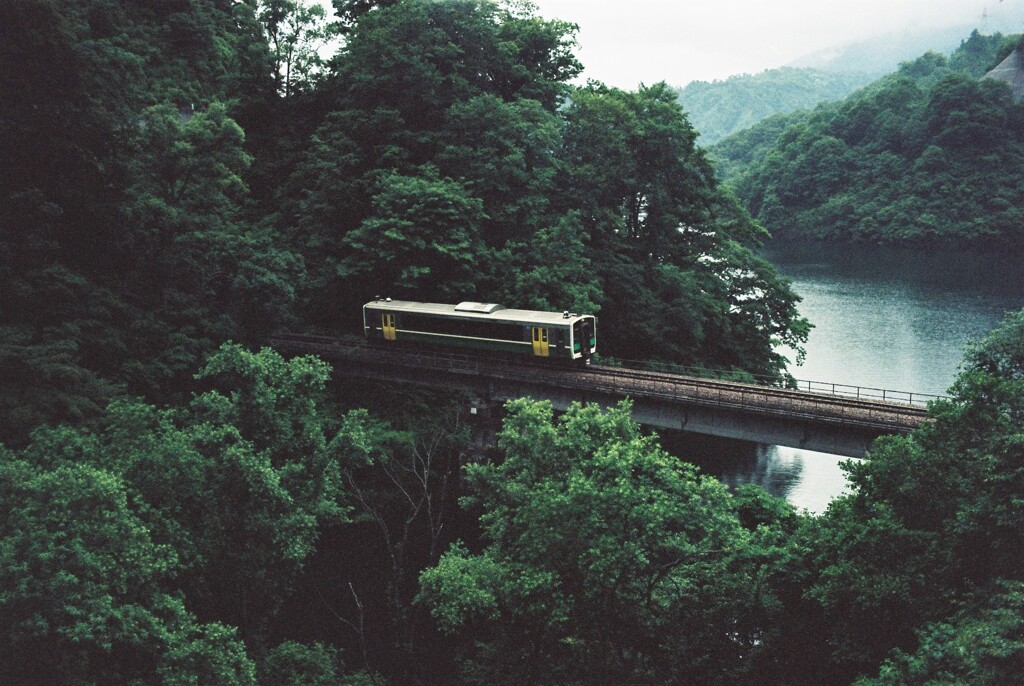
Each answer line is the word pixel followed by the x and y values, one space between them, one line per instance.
pixel 886 415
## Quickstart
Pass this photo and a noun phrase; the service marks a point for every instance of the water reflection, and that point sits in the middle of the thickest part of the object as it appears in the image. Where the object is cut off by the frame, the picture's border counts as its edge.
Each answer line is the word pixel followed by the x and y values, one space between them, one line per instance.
pixel 884 317
pixel 807 479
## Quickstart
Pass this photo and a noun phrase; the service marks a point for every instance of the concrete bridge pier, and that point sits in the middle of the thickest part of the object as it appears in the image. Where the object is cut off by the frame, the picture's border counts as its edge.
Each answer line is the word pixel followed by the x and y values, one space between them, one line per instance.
pixel 485 416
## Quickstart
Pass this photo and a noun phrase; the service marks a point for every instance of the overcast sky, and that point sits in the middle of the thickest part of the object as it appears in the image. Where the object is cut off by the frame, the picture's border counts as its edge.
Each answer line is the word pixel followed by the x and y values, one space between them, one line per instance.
pixel 626 42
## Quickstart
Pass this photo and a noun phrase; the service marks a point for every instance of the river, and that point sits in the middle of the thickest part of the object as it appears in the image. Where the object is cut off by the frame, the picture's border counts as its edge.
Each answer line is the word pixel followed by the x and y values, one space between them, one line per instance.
pixel 884 317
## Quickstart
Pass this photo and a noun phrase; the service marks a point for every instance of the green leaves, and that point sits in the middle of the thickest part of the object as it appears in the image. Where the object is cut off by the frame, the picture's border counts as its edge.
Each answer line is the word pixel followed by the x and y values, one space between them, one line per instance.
pixel 84 580
pixel 302 665
pixel 931 153
pixel 554 272
pixel 632 155
pixel 440 150
pixel 457 164
pixel 422 239
pixel 462 590
pixel 198 269
pixel 932 533
pixel 224 499
pixel 296 31
pixel 980 645
pixel 671 253
pixel 602 551
pixel 726 108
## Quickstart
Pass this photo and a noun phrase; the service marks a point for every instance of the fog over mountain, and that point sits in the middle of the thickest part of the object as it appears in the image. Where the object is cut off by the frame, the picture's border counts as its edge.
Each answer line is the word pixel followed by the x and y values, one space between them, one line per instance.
pixel 884 53
pixel 720 108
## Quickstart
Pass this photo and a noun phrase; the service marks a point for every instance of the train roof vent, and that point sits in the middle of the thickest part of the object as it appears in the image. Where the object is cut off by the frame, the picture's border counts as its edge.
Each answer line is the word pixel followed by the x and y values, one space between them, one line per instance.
pixel 479 308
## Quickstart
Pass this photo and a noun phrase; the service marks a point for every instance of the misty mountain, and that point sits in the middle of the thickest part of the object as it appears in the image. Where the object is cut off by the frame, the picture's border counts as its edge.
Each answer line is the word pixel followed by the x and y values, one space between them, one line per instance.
pixel 882 55
pixel 931 154
pixel 721 108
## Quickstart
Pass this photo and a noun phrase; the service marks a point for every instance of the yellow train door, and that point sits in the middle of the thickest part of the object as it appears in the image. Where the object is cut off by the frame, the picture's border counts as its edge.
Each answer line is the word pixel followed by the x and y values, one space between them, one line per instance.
pixel 388 324
pixel 540 341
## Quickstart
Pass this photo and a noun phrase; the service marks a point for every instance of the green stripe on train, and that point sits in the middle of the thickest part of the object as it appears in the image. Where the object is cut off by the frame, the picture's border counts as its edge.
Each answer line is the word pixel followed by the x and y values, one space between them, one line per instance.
pixel 524 348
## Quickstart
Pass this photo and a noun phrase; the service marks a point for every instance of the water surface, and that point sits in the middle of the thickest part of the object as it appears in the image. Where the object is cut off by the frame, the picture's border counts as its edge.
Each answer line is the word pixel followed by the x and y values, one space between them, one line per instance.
pixel 891 318
pixel 896 318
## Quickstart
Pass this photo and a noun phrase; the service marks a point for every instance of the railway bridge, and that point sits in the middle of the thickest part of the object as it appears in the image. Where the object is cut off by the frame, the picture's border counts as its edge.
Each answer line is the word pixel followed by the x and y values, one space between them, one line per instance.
pixel 830 418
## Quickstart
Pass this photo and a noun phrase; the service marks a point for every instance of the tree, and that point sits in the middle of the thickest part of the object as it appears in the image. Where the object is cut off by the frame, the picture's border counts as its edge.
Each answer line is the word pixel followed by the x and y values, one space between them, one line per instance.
pixel 632 156
pixel 296 31
pixel 122 201
pixel 980 645
pixel 889 163
pixel 723 108
pixel 672 252
pixel 604 556
pixel 449 106
pixel 85 598
pixel 976 55
pixel 404 483
pixel 349 11
pixel 967 114
pixel 300 665
pixel 200 274
pixel 932 532
pixel 555 273
pixel 236 486
pixel 506 153
pixel 58 194
pixel 51 358
pixel 422 240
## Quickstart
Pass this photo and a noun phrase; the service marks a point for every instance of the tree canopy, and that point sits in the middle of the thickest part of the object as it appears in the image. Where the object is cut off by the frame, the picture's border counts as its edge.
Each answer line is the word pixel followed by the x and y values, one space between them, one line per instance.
pixel 929 155
pixel 604 555
pixel 179 505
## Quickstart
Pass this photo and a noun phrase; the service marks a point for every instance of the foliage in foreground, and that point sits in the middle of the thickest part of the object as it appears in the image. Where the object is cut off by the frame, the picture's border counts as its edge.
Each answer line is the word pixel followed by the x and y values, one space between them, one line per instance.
pixel 928 546
pixel 912 577
pixel 259 532
pixel 605 555
pixel 116 542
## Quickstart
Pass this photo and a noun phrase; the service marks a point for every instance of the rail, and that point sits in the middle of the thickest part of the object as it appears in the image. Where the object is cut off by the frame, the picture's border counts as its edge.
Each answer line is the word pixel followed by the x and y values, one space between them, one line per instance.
pixel 811 386
pixel 880 411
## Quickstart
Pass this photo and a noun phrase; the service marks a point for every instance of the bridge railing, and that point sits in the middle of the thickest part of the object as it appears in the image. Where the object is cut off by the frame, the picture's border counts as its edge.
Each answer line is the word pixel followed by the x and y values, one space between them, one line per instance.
pixel 868 393
pixel 828 404
pixel 811 386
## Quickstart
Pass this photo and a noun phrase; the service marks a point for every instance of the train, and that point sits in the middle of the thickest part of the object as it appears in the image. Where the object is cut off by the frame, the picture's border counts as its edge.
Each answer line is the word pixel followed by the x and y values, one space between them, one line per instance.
pixel 483 326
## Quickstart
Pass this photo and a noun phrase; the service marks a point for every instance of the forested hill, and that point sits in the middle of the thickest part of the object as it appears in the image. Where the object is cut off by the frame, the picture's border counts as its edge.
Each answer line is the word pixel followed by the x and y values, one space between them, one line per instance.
pixel 185 172
pixel 183 178
pixel 720 108
pixel 931 154
pixel 178 509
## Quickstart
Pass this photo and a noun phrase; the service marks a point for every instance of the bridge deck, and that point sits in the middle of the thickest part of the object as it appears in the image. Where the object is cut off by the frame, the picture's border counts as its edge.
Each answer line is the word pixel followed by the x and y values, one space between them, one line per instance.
pixel 820 408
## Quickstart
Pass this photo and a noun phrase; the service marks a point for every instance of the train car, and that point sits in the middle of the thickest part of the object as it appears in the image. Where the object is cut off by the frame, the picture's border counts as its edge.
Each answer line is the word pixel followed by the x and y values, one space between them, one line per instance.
pixel 483 326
